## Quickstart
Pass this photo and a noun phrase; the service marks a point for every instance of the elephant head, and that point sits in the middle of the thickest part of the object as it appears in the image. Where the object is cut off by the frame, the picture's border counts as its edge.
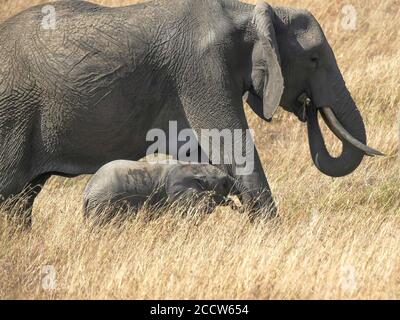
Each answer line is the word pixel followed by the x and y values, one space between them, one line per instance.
pixel 292 57
pixel 193 180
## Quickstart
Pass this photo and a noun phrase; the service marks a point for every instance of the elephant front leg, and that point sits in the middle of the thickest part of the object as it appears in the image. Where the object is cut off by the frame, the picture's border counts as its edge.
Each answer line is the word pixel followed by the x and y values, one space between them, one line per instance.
pixel 259 202
pixel 224 136
pixel 243 163
pixel 240 159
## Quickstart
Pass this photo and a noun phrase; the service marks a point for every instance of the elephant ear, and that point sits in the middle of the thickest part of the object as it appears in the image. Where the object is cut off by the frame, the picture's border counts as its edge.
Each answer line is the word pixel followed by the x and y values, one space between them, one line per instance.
pixel 273 83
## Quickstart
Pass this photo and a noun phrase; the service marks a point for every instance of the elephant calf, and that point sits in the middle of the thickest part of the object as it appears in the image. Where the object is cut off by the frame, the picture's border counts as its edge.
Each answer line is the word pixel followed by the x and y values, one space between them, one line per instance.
pixel 122 185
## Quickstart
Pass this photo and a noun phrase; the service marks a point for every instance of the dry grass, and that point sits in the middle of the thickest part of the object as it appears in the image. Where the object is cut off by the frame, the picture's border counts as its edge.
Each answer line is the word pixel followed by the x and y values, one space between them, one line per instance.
pixel 337 238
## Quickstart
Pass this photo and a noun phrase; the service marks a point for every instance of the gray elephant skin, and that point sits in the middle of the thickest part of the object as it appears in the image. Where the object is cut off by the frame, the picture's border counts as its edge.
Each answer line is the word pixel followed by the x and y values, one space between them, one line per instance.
pixel 124 185
pixel 86 93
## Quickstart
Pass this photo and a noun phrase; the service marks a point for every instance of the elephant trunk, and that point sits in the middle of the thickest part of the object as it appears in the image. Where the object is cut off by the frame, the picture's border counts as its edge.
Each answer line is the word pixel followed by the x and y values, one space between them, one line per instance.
pixel 237 188
pixel 345 121
pixel 240 190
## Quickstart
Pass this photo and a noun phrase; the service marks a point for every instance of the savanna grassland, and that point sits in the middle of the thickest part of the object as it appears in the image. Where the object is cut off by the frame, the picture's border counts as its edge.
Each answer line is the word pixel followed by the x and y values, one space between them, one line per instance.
pixel 336 238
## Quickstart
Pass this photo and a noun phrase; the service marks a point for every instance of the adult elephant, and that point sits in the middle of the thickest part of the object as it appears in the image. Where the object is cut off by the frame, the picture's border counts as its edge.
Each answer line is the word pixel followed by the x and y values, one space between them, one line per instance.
pixel 86 90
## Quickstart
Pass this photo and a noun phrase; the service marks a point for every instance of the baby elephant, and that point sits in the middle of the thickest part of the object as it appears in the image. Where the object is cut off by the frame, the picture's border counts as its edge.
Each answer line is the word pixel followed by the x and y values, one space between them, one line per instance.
pixel 122 185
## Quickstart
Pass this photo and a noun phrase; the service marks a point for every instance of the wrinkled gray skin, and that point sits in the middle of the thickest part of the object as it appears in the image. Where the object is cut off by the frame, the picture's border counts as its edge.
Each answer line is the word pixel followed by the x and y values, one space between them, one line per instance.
pixel 121 185
pixel 86 93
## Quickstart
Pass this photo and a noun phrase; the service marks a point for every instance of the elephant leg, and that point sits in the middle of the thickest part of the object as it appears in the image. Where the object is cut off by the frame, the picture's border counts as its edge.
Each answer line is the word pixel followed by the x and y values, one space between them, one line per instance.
pixel 219 110
pixel 262 204
pixel 24 202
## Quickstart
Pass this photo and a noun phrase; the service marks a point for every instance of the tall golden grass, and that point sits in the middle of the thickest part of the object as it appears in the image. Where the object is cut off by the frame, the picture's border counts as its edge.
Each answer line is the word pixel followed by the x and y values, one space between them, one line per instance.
pixel 337 238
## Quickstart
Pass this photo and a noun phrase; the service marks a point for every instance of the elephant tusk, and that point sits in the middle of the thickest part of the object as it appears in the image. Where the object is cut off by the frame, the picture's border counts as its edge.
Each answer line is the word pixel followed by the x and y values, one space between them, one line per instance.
pixel 337 128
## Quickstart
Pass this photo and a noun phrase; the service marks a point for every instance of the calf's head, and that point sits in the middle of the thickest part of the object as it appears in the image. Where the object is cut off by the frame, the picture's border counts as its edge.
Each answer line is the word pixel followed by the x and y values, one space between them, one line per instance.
pixel 193 181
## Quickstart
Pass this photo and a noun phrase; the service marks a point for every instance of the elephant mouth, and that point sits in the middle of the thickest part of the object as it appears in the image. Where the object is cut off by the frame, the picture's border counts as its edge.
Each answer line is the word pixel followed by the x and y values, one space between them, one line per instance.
pixel 333 124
